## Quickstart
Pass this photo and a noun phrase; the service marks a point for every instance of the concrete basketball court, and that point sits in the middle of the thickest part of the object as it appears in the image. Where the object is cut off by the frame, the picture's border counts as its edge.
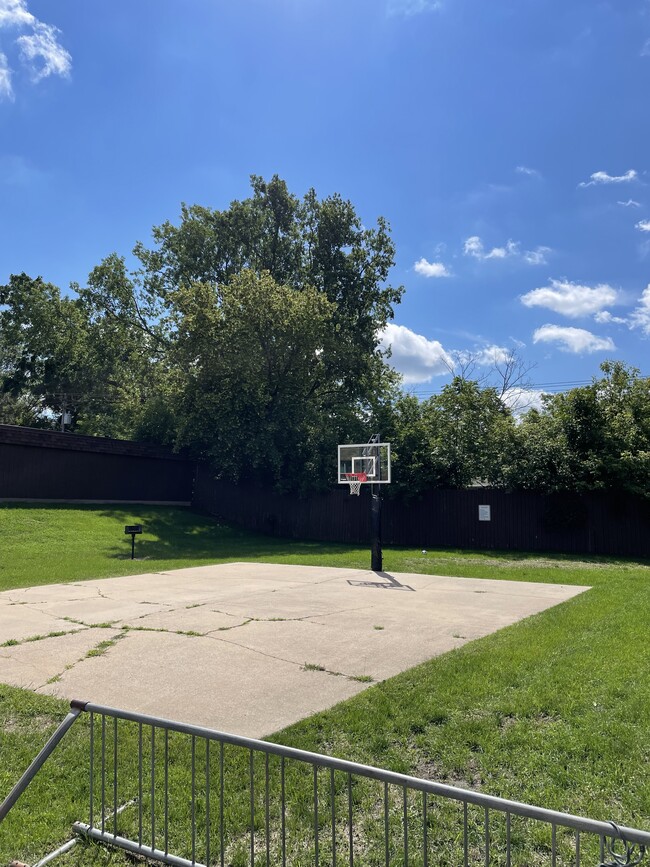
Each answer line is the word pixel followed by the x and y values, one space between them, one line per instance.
pixel 246 647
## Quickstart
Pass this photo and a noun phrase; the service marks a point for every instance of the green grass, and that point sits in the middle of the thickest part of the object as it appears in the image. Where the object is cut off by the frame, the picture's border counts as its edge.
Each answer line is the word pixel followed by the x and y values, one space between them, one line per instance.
pixel 44 545
pixel 553 710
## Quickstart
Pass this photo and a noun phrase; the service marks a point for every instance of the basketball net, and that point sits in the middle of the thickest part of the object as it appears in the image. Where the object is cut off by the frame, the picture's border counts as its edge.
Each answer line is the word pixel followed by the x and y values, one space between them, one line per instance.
pixel 355 480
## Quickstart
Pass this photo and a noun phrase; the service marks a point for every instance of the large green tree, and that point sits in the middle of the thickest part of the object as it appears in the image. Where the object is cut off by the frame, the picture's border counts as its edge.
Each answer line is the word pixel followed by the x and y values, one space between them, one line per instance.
pixel 249 387
pixel 56 357
pixel 461 437
pixel 592 438
pixel 224 306
pixel 42 345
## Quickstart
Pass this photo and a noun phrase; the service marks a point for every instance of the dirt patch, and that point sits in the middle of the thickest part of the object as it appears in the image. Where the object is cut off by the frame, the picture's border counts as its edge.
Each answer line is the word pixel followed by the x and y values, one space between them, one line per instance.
pixel 23 724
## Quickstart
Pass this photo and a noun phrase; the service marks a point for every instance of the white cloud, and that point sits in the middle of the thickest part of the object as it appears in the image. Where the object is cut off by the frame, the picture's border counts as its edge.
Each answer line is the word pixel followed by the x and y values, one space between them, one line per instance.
pixel 412 7
pixel 537 256
pixel 42 46
pixel 640 317
pixel 604 178
pixel 40 50
pixel 603 317
pixel 492 355
pixel 630 204
pixel 14 13
pixel 474 247
pixel 643 225
pixel 576 340
pixel 511 249
pixel 525 170
pixel 520 400
pixel 430 269
pixel 645 51
pixel 415 357
pixel 6 90
pixel 571 299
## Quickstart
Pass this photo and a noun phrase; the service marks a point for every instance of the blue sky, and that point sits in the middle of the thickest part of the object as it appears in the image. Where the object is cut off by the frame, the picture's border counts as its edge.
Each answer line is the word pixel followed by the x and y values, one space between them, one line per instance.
pixel 506 143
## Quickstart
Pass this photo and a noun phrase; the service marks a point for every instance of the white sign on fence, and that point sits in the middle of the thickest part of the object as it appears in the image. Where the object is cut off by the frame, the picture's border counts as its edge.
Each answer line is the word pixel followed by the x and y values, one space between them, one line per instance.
pixel 484 513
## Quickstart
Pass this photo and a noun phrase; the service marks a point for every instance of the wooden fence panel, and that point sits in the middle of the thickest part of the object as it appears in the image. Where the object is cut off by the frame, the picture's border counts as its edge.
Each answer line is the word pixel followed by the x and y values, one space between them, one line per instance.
pixel 606 524
pixel 51 466
pixel 47 465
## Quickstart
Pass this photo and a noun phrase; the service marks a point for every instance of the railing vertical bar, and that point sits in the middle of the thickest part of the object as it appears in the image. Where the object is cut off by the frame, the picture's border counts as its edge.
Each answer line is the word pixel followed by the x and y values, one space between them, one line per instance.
pixel 284 813
pixel 386 835
pixel 251 769
pixel 316 841
pixel 267 816
pixel 487 837
pixel 602 848
pixel 406 825
pixel 207 802
pixel 92 769
pixel 115 777
pixel 465 837
pixel 153 783
pixel 193 799
pixel 333 808
pixel 221 802
pixel 553 845
pixel 425 830
pixel 140 784
pixel 350 826
pixel 103 773
pixel 577 848
pixel 508 834
pixel 166 792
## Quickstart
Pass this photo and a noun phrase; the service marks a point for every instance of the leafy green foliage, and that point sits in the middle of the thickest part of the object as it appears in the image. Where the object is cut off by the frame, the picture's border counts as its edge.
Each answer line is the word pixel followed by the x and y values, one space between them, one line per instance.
pixel 42 343
pixel 259 326
pixel 250 337
pixel 592 438
pixel 250 375
pixel 463 436
pixel 56 356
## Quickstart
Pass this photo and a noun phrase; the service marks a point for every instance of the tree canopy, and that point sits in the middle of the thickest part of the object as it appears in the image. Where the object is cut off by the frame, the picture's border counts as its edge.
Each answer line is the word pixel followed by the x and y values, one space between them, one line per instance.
pixel 250 337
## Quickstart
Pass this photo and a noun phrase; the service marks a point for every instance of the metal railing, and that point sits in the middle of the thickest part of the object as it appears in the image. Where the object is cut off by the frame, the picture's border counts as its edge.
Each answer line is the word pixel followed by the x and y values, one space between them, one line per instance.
pixel 204 797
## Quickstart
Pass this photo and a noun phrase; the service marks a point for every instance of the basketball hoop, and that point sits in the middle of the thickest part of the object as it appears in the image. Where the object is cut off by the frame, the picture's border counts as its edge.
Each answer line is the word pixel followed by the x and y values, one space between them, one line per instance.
pixel 355 480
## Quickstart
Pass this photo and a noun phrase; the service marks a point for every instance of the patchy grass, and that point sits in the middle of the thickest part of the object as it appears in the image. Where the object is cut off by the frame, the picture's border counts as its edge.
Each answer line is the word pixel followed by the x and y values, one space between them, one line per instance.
pixel 101 648
pixel 552 710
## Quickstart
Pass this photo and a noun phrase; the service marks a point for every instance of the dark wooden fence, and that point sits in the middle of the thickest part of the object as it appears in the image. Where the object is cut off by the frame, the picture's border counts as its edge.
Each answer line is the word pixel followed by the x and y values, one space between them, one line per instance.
pixel 609 524
pixel 42 465
pixel 49 466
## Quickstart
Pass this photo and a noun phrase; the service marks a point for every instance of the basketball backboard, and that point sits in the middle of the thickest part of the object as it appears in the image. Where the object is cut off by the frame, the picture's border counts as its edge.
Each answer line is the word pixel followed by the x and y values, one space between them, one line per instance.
pixel 370 462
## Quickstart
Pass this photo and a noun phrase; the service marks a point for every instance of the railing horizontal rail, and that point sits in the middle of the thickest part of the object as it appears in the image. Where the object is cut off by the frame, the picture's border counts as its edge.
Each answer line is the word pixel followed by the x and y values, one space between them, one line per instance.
pixel 205 797
pixel 136 848
pixel 489 802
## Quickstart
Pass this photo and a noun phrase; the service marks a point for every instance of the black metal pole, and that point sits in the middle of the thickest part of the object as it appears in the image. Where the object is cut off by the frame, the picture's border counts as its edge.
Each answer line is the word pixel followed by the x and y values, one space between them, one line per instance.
pixel 133 546
pixel 375 515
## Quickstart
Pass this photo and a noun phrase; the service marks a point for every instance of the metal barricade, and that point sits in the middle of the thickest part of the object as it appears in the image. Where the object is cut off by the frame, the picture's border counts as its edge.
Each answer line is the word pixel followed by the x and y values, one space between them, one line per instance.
pixel 204 797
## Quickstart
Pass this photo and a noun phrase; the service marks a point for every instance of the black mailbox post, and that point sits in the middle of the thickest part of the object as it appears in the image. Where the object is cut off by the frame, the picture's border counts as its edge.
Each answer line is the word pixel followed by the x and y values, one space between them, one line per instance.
pixel 133 530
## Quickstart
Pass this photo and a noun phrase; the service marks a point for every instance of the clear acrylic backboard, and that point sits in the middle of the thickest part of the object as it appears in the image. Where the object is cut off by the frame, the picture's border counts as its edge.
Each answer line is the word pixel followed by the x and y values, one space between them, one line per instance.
pixel 369 462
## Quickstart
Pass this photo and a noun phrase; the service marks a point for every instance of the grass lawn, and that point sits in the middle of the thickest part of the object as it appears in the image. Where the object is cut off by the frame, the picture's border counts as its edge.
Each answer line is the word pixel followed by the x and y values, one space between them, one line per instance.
pixel 553 710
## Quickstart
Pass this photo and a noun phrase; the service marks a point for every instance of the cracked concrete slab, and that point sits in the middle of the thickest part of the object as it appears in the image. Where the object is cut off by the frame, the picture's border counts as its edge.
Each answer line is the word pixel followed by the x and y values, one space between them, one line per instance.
pixel 200 619
pixel 260 625
pixel 209 682
pixel 32 664
pixel 18 622
pixel 98 609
